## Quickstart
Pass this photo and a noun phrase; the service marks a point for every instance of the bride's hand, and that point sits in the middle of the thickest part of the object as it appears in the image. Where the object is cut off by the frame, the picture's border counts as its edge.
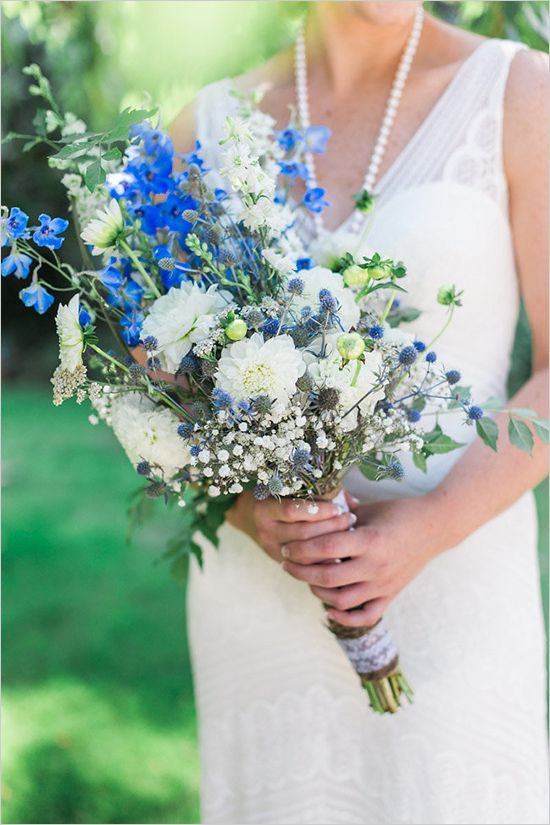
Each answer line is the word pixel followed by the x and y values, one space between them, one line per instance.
pixel 389 546
pixel 273 523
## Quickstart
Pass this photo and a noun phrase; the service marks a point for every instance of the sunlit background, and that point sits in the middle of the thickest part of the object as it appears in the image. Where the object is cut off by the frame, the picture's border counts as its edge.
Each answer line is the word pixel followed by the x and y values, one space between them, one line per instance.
pixel 99 722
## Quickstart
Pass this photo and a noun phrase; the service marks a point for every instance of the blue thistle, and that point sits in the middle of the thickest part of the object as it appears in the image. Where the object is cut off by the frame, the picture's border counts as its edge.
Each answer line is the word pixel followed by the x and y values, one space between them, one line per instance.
pixel 413 416
pixel 185 429
pixel 327 300
pixel 195 450
pixel 419 346
pixel 188 365
pixel 431 357
pixel 150 343
pixel 296 286
pixel 222 400
pixel 407 356
pixel 270 327
pixel 261 492
pixel 452 376
pixel 275 485
pixel 395 470
pixel 376 332
pixel 143 468
pixel 475 413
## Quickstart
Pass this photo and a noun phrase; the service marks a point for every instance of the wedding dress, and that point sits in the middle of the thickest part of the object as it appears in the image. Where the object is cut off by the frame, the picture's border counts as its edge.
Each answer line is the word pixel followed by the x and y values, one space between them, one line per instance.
pixel 286 734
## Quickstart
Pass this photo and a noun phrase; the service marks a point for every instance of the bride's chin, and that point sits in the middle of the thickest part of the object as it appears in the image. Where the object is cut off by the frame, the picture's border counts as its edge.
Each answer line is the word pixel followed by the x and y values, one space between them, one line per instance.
pixel 383 13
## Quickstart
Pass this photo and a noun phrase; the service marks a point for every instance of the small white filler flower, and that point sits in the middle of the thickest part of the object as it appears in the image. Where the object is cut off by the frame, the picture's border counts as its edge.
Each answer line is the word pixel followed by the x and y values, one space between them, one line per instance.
pixel 105 229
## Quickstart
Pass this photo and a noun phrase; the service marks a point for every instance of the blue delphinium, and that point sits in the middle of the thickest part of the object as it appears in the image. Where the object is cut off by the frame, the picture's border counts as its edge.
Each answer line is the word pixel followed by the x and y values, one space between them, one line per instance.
pixel 37 297
pixel 303 263
pixel 14 226
pixel 47 234
pixel 316 138
pixel 130 327
pixel 289 138
pixel 221 399
pixel 16 263
pixel 314 200
pixel 293 169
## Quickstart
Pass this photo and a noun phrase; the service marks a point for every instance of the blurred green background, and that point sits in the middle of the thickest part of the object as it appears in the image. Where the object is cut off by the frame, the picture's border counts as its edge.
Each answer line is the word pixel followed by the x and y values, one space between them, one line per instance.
pixel 99 722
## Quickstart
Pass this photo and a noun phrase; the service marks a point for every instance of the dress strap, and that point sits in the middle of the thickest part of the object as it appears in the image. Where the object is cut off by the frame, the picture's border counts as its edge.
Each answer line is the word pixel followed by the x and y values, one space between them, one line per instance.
pixel 461 138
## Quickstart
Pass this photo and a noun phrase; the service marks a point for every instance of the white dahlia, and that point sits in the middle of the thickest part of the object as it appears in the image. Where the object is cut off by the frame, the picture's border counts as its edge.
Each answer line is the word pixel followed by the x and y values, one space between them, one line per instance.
pixel 320 278
pixel 254 367
pixel 105 229
pixel 148 433
pixel 179 319
pixel 69 331
pixel 356 382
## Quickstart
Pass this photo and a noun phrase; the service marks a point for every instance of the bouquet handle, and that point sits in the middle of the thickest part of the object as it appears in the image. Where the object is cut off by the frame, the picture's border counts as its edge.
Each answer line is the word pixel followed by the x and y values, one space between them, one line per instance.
pixel 373 655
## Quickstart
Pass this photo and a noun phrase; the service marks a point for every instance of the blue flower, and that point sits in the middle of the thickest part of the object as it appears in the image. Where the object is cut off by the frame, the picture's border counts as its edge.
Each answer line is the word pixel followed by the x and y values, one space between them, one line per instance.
pixel 395 470
pixel 150 343
pixel 376 332
pixel 127 296
pixel 38 297
pixel 271 326
pixel 289 138
pixel 195 450
pixel 327 300
pixel 47 233
pixel 194 158
pixel 245 407
pixel 303 263
pixel 453 376
pixel 16 264
pixel 261 492
pixel 143 468
pixel 413 416
pixel 185 429
pixel 14 226
pixel 314 200
pixel 130 327
pixel 419 346
pixel 316 138
pixel 172 272
pixel 296 286
pixel 431 357
pixel 111 277
pixel 293 169
pixel 222 400
pixel 407 356
pixel 475 413
pixel 84 318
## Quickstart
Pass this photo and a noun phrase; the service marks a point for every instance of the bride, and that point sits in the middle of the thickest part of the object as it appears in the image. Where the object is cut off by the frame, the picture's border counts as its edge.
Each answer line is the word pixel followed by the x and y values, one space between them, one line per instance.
pixel 449 130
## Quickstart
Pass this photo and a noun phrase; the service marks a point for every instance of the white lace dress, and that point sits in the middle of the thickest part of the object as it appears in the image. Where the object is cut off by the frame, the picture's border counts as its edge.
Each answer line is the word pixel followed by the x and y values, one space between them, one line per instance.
pixel 286 734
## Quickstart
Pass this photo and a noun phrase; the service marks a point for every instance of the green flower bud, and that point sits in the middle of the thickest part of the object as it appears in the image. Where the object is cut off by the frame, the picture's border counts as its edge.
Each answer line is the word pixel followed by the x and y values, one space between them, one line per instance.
pixel 448 296
pixel 355 276
pixel 382 271
pixel 236 330
pixel 350 346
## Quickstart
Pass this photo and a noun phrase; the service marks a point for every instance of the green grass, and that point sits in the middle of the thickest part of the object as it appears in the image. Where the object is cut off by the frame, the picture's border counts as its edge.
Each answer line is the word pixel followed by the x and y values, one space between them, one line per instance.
pixel 99 722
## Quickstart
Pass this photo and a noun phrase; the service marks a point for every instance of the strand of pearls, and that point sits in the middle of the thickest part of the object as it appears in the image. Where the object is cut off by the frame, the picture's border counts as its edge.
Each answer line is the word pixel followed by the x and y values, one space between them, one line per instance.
pixel 390 112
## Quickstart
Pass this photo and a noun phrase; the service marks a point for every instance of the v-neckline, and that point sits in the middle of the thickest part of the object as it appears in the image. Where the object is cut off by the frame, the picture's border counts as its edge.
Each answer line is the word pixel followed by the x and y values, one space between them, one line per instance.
pixel 420 130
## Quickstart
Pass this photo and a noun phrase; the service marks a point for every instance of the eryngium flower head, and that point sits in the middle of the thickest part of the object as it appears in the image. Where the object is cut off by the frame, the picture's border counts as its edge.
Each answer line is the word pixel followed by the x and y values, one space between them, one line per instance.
pixel 328 398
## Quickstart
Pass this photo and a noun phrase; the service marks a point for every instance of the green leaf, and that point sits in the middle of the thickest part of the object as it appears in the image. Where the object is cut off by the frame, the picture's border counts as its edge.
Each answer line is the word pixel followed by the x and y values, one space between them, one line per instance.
pixel 520 435
pixel 113 153
pixel 487 429
pixel 369 470
pixel 437 443
pixel 461 395
pixel 523 412
pixel 541 429
pixel 420 461
pixel 492 404
pixel 94 175
pixel 402 316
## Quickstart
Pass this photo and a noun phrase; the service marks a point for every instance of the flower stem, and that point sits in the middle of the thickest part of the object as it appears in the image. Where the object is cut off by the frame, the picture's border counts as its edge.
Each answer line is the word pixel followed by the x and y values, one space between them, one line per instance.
pixel 108 357
pixel 388 306
pixel 443 328
pixel 139 266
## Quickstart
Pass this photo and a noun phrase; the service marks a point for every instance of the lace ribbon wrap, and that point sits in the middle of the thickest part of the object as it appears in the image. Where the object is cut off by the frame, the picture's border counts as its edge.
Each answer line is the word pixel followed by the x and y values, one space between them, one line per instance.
pixel 371 650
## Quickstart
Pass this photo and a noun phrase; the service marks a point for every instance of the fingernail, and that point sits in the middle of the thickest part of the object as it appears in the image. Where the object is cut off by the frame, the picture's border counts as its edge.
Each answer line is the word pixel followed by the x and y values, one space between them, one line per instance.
pixel 354 500
pixel 352 518
pixel 284 552
pixel 338 509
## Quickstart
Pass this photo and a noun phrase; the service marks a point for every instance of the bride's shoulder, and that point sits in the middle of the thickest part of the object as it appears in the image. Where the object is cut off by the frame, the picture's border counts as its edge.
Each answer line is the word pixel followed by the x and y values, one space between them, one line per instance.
pixel 526 114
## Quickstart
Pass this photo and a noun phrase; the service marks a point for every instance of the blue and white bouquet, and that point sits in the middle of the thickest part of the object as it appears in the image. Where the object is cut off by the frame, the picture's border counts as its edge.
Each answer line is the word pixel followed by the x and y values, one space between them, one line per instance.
pixel 245 359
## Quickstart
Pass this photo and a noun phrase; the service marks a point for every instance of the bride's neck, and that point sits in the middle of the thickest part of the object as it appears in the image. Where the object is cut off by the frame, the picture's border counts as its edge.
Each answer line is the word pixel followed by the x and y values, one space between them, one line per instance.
pixel 347 48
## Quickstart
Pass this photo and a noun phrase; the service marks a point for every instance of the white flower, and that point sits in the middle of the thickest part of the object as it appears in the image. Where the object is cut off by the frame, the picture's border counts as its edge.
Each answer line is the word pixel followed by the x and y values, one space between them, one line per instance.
pixel 356 382
pixel 179 319
pixel 395 337
pixel 321 278
pixel 329 247
pixel 285 264
pixel 254 367
pixel 104 230
pixel 71 339
pixel 148 433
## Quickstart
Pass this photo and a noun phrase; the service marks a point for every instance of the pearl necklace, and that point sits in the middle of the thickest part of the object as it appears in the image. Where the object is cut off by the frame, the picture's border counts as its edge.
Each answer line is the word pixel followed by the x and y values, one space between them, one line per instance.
pixel 403 69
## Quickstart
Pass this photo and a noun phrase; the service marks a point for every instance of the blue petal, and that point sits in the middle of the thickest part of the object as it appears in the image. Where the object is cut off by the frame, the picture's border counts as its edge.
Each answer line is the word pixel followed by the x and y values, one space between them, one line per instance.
pixel 38 297
pixel 316 138
pixel 16 264
pixel 58 225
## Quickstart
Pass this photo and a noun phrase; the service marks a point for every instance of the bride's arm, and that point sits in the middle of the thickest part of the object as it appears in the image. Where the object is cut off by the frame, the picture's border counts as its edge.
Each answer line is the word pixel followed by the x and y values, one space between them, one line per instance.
pixel 395 540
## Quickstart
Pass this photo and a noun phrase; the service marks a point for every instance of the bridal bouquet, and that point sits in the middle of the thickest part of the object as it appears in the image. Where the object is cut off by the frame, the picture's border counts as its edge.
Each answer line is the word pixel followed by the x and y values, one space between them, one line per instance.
pixel 245 359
